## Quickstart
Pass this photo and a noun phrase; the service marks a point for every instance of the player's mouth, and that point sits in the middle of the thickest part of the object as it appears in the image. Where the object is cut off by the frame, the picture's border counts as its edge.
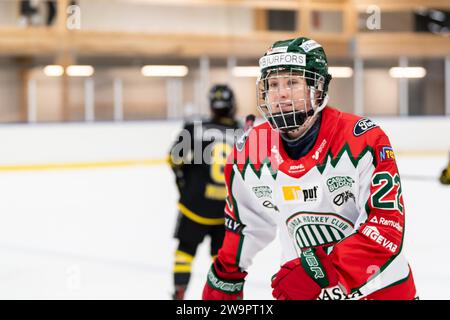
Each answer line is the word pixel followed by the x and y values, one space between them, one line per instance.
pixel 285 107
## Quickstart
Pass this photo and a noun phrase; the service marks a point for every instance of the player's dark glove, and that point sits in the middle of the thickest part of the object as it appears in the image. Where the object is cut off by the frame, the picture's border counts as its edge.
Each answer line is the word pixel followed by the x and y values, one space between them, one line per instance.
pixel 221 285
pixel 303 278
pixel 445 177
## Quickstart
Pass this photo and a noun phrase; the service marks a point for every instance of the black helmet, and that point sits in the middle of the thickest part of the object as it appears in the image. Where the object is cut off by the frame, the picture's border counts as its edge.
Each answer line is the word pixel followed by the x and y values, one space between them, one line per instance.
pixel 221 101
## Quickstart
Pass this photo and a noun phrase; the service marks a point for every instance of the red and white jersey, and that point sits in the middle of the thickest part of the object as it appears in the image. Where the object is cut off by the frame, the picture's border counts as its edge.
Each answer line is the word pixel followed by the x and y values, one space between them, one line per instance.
pixel 345 194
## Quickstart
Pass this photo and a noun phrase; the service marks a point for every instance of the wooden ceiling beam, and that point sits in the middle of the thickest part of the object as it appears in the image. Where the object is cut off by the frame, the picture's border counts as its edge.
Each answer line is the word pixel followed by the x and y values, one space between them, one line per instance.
pixel 40 41
pixel 401 5
pixel 262 4
pixel 388 45
pixel 257 4
pixel 388 5
pixel 50 42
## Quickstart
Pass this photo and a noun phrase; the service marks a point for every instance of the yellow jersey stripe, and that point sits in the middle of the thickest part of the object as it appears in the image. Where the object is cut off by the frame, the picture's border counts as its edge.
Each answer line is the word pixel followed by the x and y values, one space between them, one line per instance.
pixel 181 256
pixel 81 165
pixel 156 161
pixel 196 218
pixel 180 269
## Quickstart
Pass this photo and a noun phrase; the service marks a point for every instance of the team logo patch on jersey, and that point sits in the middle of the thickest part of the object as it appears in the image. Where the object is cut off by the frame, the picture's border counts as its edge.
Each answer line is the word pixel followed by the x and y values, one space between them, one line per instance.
pixel 335 183
pixel 262 191
pixel 293 193
pixel 313 229
pixel 386 153
pixel 362 126
pixel 232 225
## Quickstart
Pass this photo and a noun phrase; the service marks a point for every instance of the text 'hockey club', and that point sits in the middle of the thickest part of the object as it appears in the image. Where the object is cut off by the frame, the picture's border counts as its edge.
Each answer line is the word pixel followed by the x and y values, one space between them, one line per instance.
pixel 311 230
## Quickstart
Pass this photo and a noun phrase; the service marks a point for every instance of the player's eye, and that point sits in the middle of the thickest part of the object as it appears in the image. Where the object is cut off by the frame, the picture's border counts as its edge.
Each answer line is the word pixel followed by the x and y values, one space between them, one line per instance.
pixel 273 84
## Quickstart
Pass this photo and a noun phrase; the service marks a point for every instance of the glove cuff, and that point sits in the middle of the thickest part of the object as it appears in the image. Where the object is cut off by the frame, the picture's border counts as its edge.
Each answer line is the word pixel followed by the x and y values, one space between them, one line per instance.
pixel 227 286
pixel 314 268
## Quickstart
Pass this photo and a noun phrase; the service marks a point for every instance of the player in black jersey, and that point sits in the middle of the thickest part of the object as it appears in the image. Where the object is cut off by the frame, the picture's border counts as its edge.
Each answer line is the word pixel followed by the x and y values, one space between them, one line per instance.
pixel 198 158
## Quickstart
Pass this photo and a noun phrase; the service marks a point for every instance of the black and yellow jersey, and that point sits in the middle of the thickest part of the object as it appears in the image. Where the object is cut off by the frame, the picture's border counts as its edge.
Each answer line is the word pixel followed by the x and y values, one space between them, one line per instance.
pixel 198 158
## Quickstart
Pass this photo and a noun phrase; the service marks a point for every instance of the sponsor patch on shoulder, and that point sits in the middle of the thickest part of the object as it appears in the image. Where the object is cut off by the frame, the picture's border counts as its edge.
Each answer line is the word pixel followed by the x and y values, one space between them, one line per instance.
pixel 362 126
pixel 386 153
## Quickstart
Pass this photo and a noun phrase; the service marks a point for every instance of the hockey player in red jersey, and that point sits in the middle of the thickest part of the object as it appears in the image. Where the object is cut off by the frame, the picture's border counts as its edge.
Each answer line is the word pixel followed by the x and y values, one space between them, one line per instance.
pixel 326 180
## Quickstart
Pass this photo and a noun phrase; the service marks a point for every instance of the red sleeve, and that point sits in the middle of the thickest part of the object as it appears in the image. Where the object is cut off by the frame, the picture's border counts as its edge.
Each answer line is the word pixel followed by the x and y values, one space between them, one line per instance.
pixel 229 253
pixel 378 239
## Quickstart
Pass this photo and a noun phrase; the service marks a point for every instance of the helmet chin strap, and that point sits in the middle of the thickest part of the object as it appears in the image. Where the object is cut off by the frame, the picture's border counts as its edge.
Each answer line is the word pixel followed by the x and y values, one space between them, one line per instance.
pixel 312 98
pixel 306 126
pixel 323 104
pixel 312 119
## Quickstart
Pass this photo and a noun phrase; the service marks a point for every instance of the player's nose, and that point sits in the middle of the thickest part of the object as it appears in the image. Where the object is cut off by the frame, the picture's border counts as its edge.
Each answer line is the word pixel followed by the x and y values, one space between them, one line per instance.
pixel 284 92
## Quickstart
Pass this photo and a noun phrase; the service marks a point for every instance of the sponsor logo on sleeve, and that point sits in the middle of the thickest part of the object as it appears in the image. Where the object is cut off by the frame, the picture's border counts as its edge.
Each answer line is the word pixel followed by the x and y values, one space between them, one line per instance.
pixel 373 234
pixel 387 222
pixel 386 153
pixel 362 126
pixel 232 225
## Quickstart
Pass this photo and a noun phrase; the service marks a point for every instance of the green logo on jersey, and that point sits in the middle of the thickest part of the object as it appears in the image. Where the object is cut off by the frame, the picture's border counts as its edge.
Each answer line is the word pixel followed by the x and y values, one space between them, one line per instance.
pixel 310 229
pixel 262 191
pixel 335 183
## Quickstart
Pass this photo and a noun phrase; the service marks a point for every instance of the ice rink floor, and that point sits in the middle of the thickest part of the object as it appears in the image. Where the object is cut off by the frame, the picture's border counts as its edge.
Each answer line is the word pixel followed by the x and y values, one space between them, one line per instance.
pixel 107 234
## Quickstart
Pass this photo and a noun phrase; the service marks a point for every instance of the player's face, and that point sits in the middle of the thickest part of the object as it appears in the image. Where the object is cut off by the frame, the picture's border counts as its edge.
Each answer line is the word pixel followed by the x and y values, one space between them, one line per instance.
pixel 287 92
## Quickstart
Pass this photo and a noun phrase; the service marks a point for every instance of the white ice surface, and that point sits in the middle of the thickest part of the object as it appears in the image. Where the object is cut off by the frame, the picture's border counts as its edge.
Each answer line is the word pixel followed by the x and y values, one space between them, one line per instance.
pixel 107 234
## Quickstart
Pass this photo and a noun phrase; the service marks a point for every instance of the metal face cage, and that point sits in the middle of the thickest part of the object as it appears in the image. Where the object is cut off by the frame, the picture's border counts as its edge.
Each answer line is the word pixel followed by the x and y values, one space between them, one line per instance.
pixel 287 97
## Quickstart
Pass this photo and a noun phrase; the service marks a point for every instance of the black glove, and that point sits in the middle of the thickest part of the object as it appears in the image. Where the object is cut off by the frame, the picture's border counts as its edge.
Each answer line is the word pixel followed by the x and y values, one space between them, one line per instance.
pixel 445 177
